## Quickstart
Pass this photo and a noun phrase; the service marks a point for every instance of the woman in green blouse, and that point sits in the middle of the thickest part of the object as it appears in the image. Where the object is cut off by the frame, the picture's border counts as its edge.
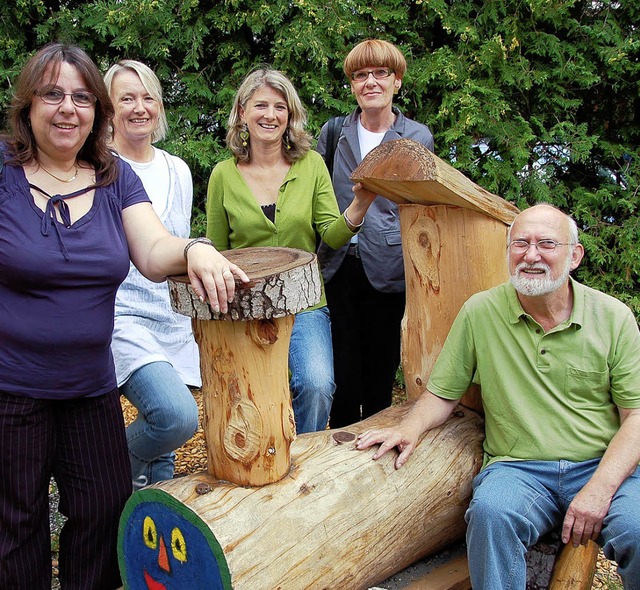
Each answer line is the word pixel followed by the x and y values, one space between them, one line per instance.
pixel 276 191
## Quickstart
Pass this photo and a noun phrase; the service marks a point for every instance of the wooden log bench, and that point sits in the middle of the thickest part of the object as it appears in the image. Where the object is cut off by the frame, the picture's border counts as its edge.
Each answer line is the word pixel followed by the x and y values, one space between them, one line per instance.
pixel 275 512
pixel 337 520
pixel 454 234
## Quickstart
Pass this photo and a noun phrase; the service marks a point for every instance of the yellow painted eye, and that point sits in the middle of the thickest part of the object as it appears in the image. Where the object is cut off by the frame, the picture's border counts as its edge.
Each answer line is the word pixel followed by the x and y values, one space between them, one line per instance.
pixel 178 546
pixel 149 533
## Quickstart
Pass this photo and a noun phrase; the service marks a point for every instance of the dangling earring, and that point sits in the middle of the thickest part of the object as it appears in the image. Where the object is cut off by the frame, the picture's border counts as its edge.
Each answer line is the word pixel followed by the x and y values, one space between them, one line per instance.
pixel 285 140
pixel 244 135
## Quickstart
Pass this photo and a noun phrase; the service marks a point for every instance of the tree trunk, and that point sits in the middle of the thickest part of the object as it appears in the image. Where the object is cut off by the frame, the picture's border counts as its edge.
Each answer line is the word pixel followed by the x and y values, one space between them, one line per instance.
pixel 248 419
pixel 338 520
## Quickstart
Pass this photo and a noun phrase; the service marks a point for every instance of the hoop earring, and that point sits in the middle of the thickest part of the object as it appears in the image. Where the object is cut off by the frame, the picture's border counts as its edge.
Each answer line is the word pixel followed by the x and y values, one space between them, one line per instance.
pixel 244 135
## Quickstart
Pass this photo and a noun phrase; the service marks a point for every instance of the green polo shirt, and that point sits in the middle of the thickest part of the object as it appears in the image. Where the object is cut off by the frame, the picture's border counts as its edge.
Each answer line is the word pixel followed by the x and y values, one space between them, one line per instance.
pixel 546 396
pixel 306 208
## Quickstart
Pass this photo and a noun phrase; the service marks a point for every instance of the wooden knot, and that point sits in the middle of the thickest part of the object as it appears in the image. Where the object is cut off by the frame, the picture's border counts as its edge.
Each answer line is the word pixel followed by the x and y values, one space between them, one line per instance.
pixel 263 332
pixel 343 437
pixel 203 488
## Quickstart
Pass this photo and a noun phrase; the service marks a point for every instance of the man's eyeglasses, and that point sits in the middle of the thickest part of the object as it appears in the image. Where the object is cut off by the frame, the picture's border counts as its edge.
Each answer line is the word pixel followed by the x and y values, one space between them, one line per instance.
pixel 378 74
pixel 543 246
pixel 80 99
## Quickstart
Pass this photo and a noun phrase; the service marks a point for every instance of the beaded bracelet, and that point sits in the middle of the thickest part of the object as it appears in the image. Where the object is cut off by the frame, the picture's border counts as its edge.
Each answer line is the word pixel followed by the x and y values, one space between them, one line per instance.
pixel 196 241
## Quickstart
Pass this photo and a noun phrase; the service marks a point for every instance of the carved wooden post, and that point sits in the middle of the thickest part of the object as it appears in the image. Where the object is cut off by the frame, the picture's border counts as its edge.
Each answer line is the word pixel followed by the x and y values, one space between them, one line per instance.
pixel 248 419
pixel 453 240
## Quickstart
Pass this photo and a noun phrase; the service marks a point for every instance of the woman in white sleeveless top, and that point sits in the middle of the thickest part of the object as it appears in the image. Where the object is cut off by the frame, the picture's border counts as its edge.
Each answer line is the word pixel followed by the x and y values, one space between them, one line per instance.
pixel 155 354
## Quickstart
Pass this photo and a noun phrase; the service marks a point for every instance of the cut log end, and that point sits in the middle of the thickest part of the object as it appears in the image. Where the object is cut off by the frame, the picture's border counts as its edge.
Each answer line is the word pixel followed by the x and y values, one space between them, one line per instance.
pixel 405 171
pixel 283 281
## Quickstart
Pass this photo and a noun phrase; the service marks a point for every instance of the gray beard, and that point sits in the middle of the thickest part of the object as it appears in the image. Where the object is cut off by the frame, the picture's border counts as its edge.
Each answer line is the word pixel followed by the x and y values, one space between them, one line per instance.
pixel 534 287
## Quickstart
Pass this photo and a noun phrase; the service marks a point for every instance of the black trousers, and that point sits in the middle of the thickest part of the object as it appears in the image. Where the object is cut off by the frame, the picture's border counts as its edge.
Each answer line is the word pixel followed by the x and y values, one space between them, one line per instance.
pixel 82 444
pixel 365 326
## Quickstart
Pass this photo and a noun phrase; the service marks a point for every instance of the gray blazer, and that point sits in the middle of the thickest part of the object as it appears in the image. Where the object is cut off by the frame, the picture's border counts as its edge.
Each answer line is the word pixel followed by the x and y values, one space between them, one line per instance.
pixel 379 239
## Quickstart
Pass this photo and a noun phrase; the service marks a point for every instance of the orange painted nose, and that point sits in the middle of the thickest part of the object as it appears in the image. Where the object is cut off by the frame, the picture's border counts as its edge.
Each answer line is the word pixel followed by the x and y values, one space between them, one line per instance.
pixel 163 556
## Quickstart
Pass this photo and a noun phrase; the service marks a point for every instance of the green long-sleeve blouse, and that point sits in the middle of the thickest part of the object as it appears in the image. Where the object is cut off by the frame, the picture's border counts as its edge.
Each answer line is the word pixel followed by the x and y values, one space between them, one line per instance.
pixel 306 207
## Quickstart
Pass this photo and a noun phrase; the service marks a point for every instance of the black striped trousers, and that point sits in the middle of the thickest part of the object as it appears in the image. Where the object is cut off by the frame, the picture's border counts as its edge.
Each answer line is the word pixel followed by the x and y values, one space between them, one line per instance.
pixel 82 443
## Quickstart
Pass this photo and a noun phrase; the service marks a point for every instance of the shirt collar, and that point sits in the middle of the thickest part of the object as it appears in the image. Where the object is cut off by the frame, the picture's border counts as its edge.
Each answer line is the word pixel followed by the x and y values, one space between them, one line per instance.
pixel 577 313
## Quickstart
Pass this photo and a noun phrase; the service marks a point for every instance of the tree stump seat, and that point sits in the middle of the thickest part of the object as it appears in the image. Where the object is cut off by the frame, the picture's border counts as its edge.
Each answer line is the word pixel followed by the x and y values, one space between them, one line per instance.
pixel 248 419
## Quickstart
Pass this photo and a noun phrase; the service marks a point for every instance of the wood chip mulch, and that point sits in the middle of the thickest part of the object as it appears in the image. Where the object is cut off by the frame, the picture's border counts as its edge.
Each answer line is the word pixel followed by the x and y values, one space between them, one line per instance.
pixel 192 457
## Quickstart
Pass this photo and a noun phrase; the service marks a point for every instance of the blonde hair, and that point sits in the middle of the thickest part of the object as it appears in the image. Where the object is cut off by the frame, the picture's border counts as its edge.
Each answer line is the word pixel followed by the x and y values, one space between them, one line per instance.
pixel 296 142
pixel 152 86
pixel 375 52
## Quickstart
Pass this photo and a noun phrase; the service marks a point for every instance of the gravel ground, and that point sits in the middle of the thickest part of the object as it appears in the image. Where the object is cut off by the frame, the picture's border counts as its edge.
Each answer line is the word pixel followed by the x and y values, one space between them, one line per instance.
pixel 192 457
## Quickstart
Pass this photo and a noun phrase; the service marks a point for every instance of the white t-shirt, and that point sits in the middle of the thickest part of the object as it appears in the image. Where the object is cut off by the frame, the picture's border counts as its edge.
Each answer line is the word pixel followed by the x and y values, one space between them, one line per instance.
pixel 368 139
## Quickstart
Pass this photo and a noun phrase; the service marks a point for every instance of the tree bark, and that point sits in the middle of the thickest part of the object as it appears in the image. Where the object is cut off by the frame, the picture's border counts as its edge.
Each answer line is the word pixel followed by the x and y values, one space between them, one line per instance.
pixel 283 281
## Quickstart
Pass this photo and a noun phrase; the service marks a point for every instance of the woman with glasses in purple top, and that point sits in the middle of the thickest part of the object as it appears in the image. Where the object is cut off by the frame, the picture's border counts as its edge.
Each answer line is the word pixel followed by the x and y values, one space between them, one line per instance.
pixel 72 216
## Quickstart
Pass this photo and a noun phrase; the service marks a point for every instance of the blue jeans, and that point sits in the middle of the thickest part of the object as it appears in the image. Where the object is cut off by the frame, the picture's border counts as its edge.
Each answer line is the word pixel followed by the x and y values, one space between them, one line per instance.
pixel 311 367
pixel 167 418
pixel 515 503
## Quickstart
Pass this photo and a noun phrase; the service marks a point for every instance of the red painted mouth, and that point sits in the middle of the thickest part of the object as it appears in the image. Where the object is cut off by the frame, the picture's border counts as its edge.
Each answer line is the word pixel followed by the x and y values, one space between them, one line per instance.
pixel 152 584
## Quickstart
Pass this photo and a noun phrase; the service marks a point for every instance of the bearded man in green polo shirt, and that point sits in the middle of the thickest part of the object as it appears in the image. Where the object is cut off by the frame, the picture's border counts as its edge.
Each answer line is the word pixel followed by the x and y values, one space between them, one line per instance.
pixel 558 364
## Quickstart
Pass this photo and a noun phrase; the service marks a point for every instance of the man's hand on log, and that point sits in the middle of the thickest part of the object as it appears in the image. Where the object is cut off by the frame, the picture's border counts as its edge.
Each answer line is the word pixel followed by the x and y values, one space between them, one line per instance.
pixel 428 412
pixel 403 437
pixel 213 277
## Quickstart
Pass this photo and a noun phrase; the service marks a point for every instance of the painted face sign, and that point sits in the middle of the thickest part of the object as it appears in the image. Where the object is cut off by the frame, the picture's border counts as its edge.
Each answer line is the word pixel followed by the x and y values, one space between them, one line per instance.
pixel 163 545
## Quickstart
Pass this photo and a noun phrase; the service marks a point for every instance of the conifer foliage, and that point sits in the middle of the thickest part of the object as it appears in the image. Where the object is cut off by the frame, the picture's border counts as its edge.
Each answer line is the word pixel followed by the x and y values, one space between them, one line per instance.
pixel 536 100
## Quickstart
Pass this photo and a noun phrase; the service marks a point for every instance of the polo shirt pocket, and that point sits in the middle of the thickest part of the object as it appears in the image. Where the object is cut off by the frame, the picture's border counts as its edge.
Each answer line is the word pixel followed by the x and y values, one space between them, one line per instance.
pixel 586 388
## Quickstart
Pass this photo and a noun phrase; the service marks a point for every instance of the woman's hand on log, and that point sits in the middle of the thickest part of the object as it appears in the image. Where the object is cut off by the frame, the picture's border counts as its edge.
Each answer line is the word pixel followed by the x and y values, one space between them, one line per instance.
pixel 404 438
pixel 213 277
pixel 357 209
